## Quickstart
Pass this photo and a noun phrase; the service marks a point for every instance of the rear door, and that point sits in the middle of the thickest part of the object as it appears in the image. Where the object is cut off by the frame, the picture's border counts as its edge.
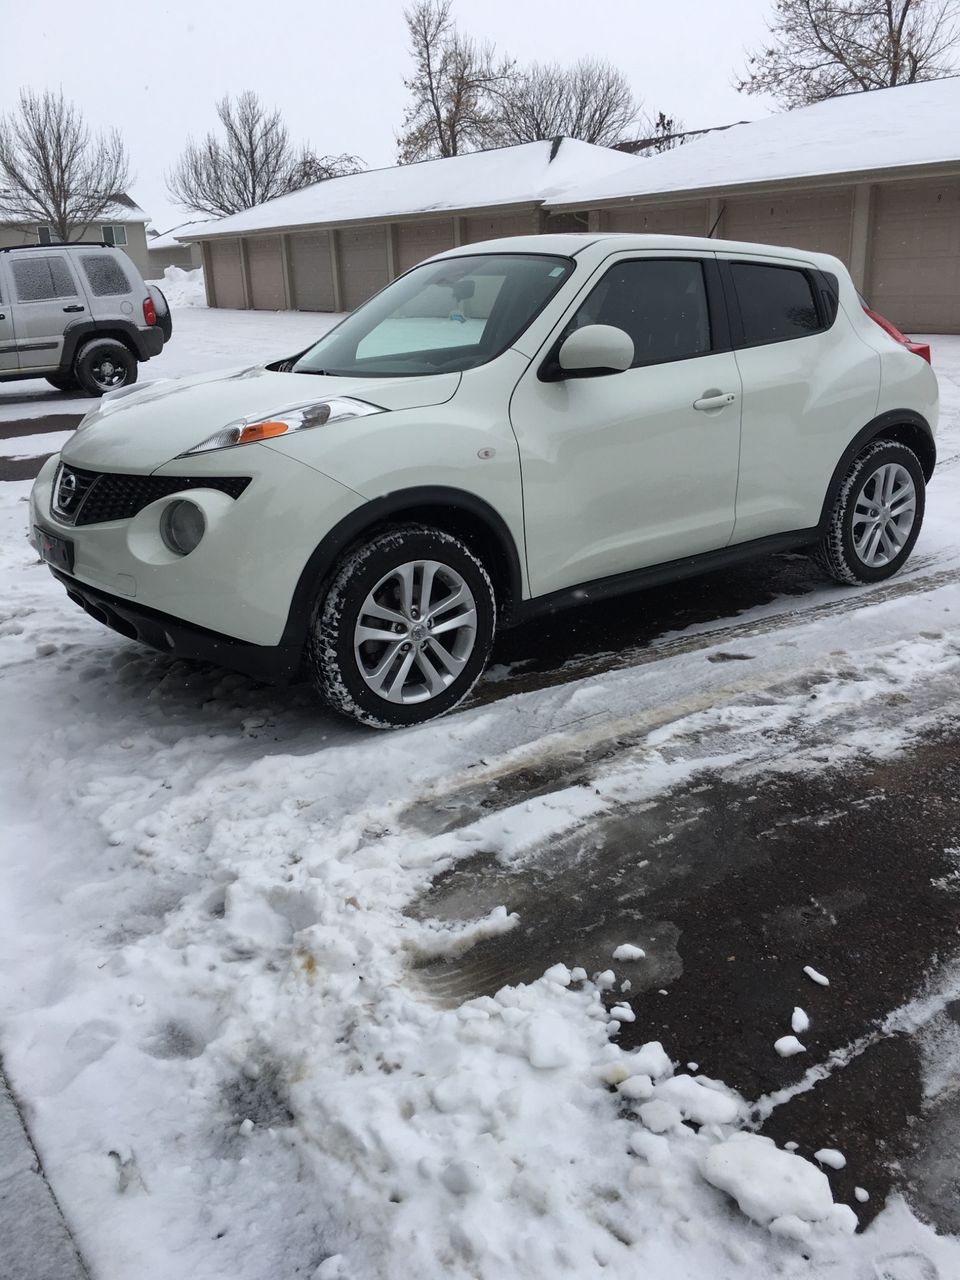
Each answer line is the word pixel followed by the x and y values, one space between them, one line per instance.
pixel 8 349
pixel 809 384
pixel 46 297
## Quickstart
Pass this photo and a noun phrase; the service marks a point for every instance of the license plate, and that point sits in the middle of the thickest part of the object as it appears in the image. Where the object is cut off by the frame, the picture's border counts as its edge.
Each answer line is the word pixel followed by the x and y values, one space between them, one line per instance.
pixel 56 551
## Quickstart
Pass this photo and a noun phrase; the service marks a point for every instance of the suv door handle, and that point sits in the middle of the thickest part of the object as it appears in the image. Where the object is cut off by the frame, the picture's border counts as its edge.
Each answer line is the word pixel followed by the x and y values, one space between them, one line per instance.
pixel 75 307
pixel 717 400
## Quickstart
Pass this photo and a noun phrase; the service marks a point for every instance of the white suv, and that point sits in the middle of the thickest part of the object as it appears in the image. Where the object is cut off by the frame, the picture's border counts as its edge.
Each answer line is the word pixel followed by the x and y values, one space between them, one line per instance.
pixel 507 428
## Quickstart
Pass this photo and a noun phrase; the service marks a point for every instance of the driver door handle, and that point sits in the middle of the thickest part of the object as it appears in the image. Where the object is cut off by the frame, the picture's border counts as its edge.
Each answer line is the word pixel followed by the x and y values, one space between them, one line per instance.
pixel 718 401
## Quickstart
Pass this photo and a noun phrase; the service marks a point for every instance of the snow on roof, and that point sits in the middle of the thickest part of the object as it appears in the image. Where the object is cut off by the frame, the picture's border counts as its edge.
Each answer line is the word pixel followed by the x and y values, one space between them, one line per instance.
pixel 123 209
pixel 884 129
pixel 524 174
pixel 172 239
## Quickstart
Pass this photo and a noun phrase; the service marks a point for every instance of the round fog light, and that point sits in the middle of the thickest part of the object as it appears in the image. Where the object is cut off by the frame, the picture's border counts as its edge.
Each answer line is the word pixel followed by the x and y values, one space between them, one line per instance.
pixel 182 525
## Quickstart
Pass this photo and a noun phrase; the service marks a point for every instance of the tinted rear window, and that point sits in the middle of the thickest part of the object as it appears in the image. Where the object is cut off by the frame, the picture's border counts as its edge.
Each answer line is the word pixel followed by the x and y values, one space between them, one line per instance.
pixel 776 303
pixel 105 275
pixel 38 279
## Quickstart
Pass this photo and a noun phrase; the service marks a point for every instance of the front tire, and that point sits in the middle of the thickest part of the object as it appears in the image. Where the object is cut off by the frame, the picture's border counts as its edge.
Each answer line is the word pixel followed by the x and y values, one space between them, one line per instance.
pixel 405 628
pixel 877 515
pixel 105 364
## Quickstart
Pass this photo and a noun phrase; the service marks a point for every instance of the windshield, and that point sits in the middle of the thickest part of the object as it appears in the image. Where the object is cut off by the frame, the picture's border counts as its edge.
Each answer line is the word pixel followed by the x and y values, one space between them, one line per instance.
pixel 442 317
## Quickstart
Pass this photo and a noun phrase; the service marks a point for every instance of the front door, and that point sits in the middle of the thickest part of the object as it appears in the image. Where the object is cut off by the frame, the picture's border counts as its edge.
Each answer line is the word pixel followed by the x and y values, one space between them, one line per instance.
pixel 46 297
pixel 633 469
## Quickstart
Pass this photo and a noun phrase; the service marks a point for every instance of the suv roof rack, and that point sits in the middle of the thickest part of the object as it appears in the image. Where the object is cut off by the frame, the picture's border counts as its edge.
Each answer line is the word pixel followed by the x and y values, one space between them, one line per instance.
pixel 68 244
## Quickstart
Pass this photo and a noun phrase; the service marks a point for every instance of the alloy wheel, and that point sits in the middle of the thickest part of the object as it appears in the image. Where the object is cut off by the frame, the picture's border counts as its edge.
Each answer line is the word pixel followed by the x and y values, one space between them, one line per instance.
pixel 883 514
pixel 415 631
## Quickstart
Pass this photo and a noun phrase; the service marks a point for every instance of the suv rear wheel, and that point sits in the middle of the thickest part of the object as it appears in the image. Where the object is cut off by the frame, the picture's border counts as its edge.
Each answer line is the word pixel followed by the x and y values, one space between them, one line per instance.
pixel 405 629
pixel 103 365
pixel 877 515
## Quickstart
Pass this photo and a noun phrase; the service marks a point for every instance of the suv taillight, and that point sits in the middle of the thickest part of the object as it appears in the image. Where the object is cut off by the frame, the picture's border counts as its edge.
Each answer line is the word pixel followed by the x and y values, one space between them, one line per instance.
pixel 149 311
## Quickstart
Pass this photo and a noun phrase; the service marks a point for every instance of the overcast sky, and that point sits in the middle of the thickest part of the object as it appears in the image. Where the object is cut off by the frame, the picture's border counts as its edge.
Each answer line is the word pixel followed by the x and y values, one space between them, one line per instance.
pixel 336 70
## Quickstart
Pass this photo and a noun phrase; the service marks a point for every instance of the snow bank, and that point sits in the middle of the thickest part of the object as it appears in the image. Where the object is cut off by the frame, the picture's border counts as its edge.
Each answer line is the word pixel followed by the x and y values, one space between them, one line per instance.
pixel 182 288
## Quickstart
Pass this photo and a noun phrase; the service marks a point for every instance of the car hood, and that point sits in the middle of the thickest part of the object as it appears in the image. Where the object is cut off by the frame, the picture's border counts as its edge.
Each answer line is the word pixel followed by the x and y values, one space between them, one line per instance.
pixel 145 427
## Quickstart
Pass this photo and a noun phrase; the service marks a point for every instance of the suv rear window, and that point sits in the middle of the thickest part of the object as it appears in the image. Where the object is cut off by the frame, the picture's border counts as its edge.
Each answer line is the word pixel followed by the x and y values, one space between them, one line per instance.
pixel 776 303
pixel 38 279
pixel 105 275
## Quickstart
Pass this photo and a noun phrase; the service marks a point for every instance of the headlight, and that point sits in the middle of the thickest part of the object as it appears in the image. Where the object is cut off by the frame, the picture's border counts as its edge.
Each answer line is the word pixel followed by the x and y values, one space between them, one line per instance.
pixel 182 525
pixel 301 418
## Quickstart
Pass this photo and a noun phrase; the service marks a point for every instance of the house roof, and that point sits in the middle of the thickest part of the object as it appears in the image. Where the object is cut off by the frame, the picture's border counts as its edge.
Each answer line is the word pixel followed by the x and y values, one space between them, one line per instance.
pixel 524 174
pixel 172 239
pixel 858 133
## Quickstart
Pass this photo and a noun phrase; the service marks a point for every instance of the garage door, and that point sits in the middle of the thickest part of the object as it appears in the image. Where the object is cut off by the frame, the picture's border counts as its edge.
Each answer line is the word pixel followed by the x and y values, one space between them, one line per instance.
pixel 818 221
pixel 419 240
pixel 521 224
pixel 363 264
pixel 227 278
pixel 266 273
pixel 668 220
pixel 311 273
pixel 913 275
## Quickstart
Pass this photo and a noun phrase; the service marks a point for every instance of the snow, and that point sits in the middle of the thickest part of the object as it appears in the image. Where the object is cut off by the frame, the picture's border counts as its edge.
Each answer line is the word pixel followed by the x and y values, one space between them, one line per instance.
pixel 182 288
pixel 34 446
pixel 208 967
pixel 861 132
pixel 799 1022
pixel 627 951
pixel 831 1158
pixel 861 1194
pixel 815 976
pixel 520 175
pixel 768 1183
pixel 788 1046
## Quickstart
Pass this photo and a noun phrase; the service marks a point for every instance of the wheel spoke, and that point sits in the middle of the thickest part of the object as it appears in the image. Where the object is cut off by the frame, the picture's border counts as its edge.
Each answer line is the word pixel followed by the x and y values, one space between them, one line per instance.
pixel 860 544
pixel 405 575
pixel 364 634
pixel 373 609
pixel 435 681
pixel 395 687
pixel 455 598
pixel 466 619
pixel 870 548
pixel 375 675
pixel 451 664
pixel 422 602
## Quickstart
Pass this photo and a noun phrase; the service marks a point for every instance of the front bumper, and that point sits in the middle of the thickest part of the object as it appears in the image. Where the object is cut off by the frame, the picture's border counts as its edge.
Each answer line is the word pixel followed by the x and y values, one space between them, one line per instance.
pixel 274 664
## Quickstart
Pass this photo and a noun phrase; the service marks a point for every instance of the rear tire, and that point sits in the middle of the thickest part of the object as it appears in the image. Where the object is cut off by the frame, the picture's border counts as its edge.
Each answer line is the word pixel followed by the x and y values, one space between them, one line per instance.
pixel 404 629
pixel 104 365
pixel 877 515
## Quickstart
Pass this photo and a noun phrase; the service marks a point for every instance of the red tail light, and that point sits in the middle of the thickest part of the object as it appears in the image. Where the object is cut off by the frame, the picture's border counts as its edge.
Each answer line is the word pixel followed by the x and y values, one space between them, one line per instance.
pixel 921 349
pixel 149 311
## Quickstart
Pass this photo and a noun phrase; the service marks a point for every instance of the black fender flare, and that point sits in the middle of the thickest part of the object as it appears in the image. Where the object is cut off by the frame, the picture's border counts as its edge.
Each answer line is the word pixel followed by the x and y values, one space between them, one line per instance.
pixel 80 331
pixel 897 424
pixel 454 510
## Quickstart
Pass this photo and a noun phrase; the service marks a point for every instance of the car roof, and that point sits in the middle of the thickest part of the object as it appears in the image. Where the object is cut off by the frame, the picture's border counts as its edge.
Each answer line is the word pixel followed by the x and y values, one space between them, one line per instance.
pixel 573 243
pixel 60 245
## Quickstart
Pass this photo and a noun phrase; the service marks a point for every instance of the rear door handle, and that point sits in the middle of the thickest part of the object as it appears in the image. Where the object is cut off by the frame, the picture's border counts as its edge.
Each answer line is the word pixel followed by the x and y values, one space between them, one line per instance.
pixel 75 307
pixel 719 401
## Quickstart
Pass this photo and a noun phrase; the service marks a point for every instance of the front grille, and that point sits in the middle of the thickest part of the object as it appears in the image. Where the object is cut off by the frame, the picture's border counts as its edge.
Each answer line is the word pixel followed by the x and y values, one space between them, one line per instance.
pixel 91 497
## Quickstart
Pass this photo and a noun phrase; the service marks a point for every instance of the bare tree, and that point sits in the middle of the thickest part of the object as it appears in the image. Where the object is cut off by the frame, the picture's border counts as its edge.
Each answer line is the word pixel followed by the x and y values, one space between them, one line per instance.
pixel 254 161
pixel 53 171
pixel 592 101
pixel 822 48
pixel 454 88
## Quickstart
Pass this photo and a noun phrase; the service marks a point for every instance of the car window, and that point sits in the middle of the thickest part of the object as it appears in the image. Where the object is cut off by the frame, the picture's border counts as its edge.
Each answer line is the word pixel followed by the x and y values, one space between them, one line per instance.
pixel 776 303
pixel 37 279
pixel 660 302
pixel 105 275
pixel 443 316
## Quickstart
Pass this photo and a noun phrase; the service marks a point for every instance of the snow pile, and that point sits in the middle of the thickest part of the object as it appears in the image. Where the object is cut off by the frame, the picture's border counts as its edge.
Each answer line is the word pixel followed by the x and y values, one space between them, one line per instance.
pixel 182 288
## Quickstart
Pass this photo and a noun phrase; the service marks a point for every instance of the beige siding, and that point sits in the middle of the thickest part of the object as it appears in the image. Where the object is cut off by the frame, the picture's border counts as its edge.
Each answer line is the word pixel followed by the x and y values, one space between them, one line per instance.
pixel 913 273
pixel 363 263
pixel 227 276
pixel 419 240
pixel 311 272
pixel 665 220
pixel 819 221
pixel 266 273
pixel 558 223
pixel 492 228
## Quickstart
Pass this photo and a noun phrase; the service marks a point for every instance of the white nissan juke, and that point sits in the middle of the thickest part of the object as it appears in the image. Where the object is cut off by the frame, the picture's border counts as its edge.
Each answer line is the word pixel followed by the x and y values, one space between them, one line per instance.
pixel 509 427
